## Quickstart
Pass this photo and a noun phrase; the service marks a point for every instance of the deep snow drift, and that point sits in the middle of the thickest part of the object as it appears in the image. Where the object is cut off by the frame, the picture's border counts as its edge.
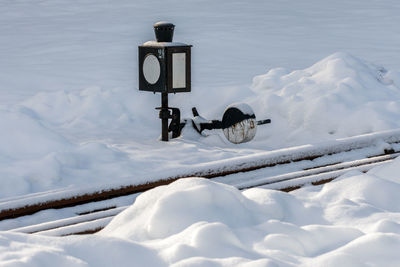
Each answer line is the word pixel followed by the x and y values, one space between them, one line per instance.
pixel 352 221
pixel 95 136
pixel 338 96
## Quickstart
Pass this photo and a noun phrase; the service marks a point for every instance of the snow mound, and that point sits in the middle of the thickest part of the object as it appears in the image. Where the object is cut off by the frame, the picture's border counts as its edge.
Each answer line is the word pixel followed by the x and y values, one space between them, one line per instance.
pixel 92 111
pixel 197 222
pixel 35 157
pixel 367 189
pixel 339 96
pixel 23 136
pixel 171 209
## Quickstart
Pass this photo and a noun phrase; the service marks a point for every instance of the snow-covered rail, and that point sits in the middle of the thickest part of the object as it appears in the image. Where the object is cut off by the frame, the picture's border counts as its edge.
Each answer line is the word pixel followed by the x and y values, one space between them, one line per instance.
pixel 288 169
pixel 97 220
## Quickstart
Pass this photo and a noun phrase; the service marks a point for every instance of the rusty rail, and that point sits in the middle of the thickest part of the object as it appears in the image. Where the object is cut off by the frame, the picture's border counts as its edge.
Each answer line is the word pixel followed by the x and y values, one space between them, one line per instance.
pixel 93 222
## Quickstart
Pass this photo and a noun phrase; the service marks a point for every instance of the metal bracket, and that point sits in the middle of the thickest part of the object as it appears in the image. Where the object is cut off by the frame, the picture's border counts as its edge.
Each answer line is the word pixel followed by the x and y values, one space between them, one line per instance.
pixel 175 126
pixel 201 124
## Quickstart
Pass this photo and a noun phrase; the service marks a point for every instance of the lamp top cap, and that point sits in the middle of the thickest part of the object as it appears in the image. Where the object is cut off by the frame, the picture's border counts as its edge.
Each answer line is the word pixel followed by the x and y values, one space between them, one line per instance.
pixel 164 31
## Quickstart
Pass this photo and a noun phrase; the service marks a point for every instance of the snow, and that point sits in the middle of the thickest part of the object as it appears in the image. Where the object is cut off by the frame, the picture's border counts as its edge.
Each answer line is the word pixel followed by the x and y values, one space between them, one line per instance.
pixel 71 114
pixel 163 44
pixel 352 221
pixel 353 95
pixel 80 138
pixel 71 117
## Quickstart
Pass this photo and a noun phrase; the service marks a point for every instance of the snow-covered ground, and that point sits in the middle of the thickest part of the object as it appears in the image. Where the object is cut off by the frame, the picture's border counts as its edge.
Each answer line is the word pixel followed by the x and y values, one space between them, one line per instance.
pixel 97 136
pixel 352 221
pixel 71 115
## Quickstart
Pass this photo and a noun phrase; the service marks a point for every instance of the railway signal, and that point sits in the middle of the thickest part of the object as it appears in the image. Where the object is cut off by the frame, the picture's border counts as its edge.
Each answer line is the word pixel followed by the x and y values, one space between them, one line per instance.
pixel 165 67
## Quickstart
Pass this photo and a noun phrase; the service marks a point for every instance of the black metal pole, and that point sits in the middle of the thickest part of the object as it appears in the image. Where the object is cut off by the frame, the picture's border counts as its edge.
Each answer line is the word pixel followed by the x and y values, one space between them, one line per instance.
pixel 164 119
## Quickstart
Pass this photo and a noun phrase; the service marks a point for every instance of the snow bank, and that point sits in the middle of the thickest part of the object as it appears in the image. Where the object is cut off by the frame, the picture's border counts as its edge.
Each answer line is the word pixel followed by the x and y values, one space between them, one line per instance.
pixel 338 96
pixel 38 146
pixel 23 136
pixel 352 221
pixel 39 251
pixel 93 111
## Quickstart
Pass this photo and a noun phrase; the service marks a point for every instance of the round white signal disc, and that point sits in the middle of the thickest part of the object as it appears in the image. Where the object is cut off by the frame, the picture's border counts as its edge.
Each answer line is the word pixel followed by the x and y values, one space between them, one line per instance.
pixel 241 132
pixel 151 69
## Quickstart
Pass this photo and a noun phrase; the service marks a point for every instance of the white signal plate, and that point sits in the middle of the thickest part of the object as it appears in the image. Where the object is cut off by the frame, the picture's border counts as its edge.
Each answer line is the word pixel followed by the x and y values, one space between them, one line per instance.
pixel 151 69
pixel 179 70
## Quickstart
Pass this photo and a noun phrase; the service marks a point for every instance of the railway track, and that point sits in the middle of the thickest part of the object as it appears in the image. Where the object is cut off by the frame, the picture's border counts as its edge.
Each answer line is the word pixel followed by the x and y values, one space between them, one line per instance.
pixel 88 210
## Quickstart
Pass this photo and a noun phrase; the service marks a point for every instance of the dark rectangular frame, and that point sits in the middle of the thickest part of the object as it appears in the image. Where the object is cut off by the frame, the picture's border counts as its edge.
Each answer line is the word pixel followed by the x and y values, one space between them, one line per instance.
pixel 159 86
pixel 164 55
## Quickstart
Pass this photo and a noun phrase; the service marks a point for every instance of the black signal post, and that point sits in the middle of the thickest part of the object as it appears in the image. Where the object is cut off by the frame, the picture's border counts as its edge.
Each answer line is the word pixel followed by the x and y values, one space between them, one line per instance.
pixel 164 116
pixel 165 67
